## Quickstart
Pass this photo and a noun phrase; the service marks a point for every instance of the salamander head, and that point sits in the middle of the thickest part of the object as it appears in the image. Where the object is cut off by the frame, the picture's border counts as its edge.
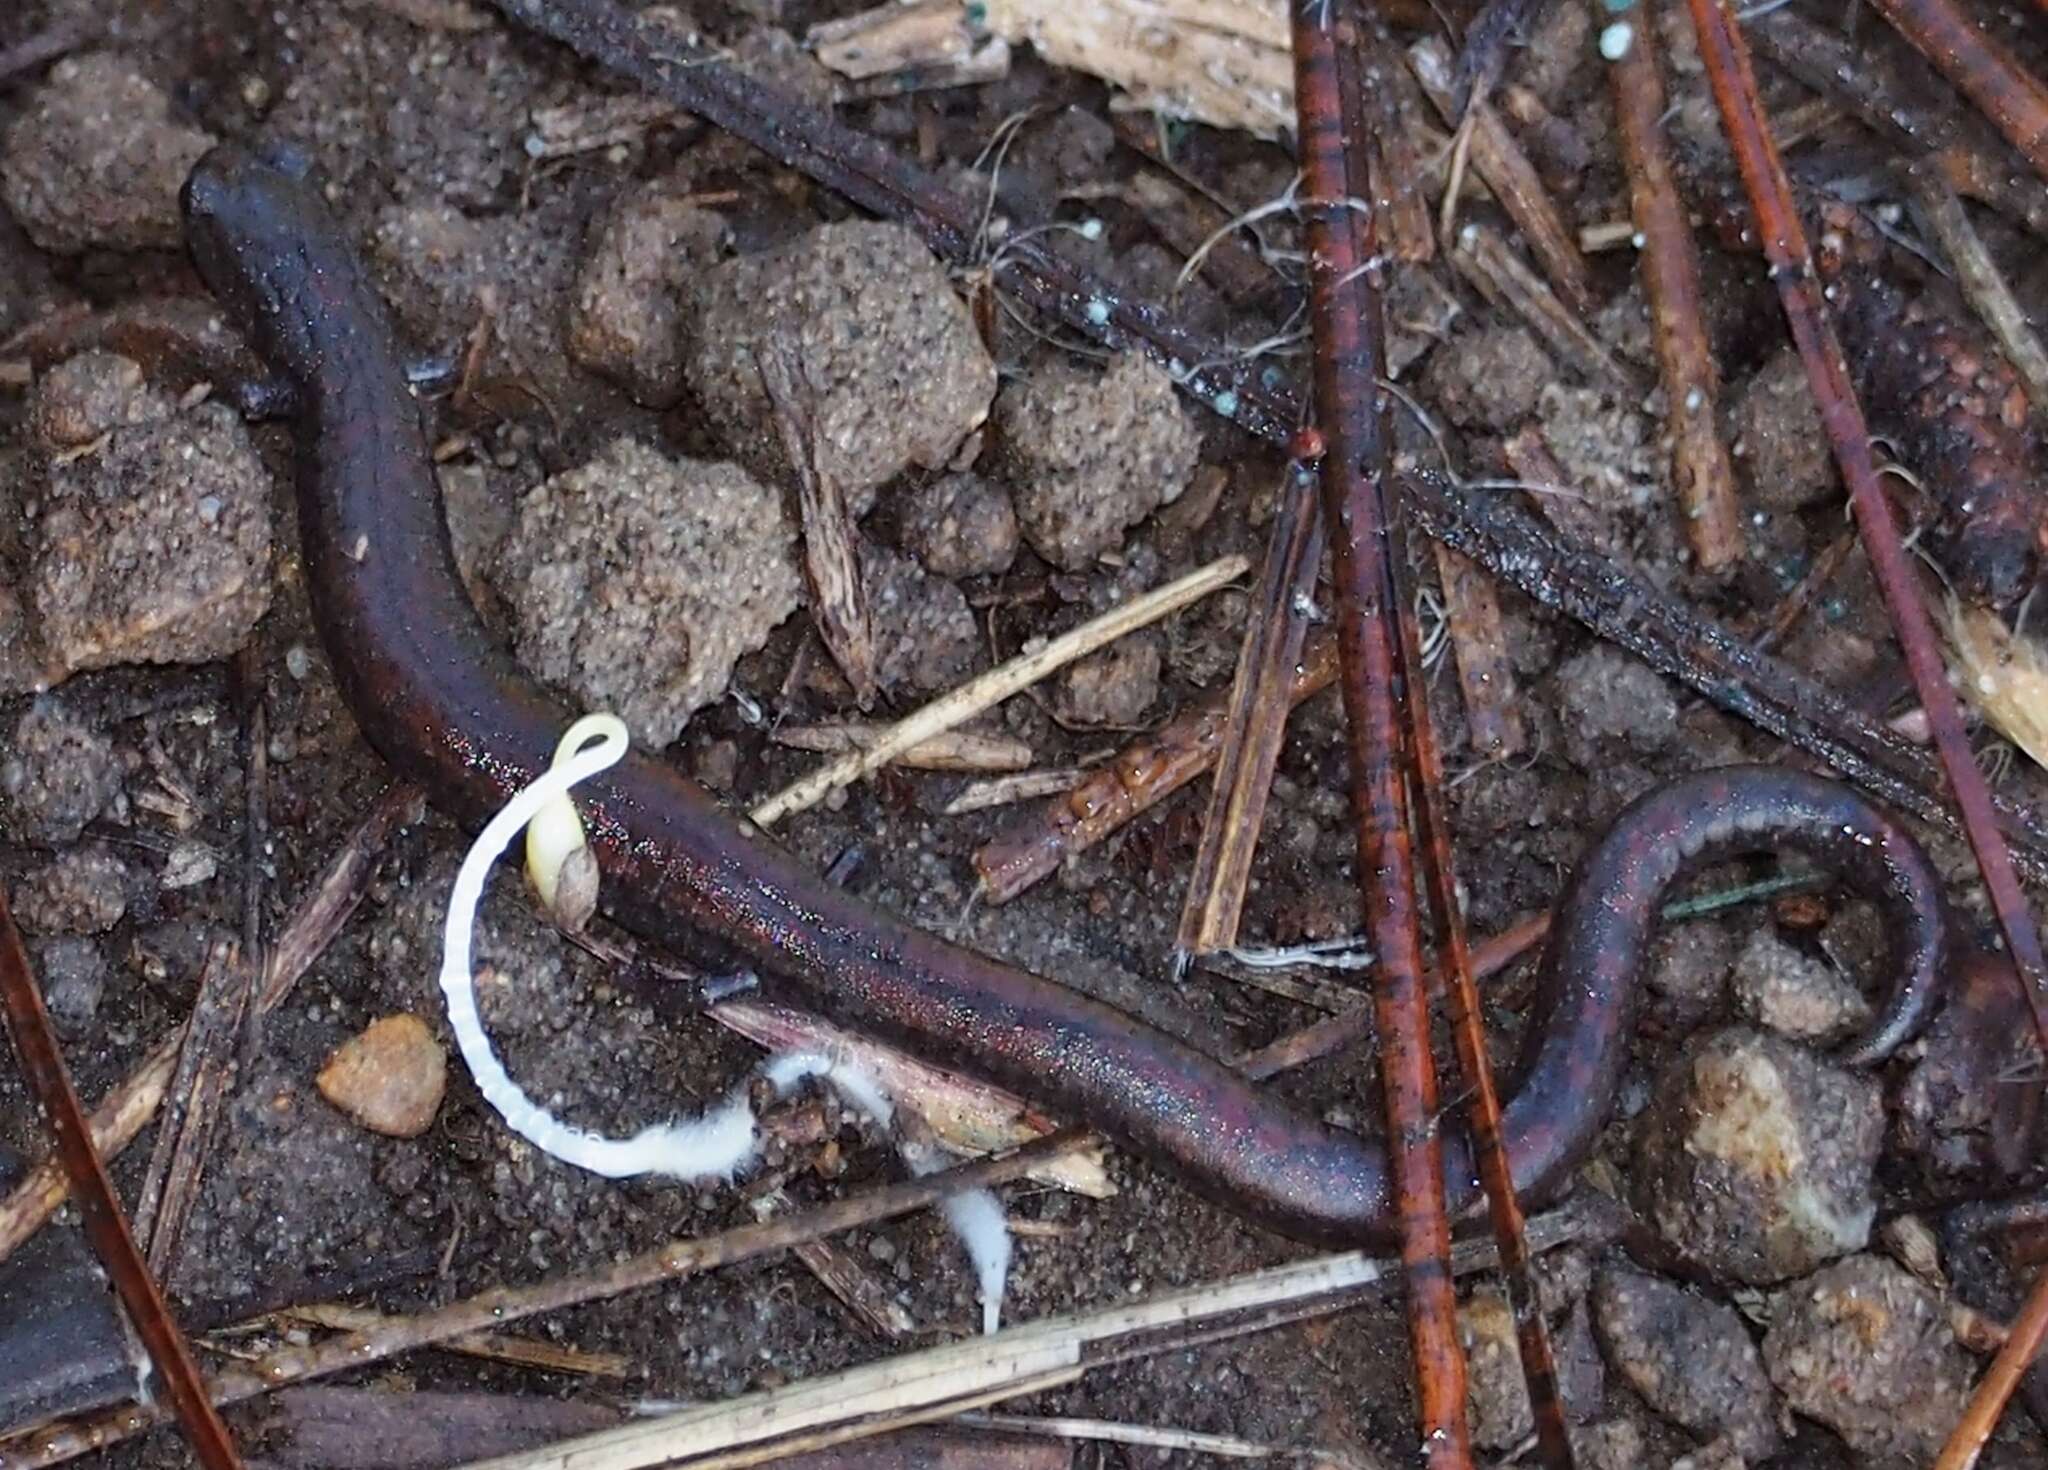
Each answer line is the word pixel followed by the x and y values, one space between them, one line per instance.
pixel 260 232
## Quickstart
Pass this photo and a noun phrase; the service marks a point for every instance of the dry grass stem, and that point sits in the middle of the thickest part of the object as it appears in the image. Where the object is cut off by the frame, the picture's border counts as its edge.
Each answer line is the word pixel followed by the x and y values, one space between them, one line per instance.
pixel 1005 790
pixel 949 711
pixel 1978 277
pixel 954 1378
pixel 1018 1360
pixel 966 1117
pixel 956 750
pixel 494 1347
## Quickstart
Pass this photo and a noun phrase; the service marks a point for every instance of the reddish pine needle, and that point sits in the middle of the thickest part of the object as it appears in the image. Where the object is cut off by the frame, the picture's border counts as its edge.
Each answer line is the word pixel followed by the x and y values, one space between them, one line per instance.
pixel 42 1065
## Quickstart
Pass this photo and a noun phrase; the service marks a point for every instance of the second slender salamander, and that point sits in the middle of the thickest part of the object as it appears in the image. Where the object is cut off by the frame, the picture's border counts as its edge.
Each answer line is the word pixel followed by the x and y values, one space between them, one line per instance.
pixel 447 707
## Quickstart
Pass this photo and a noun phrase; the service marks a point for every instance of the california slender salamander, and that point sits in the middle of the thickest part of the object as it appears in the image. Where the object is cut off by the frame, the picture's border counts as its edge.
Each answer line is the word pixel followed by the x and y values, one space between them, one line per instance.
pixel 448 708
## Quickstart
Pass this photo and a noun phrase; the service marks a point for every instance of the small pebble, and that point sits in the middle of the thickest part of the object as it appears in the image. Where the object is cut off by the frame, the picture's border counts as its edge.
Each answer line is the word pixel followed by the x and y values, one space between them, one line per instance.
pixel 1581 1373
pixel 1497 1397
pixel 85 891
pixel 1794 994
pixel 390 1078
pixel 1778 440
pixel 1615 1444
pixel 1115 686
pixel 73 975
pixel 1755 1157
pixel 1606 695
pixel 1866 1349
pixel 925 636
pixel 191 862
pixel 1609 450
pixel 717 765
pixel 626 314
pixel 57 774
pixel 960 526
pixel 889 354
pixel 94 159
pixel 1690 1358
pixel 155 547
pixel 84 397
pixel 1722 1454
pixel 437 264
pixel 1688 969
pixel 1488 378
pixel 1094 453
pixel 1913 1244
pixel 638 580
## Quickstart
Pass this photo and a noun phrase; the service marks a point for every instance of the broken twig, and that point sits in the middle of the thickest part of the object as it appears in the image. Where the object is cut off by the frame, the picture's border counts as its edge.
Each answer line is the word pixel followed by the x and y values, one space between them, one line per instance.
pixel 1023 786
pixel 1491 264
pixel 1700 471
pixel 1142 775
pixel 997 685
pixel 956 750
pixel 494 1347
pixel 1260 698
pixel 206 1067
pixel 1895 103
pixel 1500 161
pixel 1479 644
pixel 839 603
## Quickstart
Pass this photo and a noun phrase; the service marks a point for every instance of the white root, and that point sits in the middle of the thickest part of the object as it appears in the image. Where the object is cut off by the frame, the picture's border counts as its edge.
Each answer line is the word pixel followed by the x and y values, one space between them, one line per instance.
pixel 725 1138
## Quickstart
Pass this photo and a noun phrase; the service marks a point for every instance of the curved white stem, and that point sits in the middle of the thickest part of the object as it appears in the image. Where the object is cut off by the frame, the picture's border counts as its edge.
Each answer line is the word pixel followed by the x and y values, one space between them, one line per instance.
pixel 718 1142
pixel 722 1140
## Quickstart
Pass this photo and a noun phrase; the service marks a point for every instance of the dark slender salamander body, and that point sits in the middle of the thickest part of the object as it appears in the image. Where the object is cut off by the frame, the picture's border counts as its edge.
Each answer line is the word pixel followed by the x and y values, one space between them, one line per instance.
pixel 448 708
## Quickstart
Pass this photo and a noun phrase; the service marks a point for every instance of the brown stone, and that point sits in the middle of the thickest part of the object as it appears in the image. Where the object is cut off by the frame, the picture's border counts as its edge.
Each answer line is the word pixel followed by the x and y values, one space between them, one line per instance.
pixel 390 1078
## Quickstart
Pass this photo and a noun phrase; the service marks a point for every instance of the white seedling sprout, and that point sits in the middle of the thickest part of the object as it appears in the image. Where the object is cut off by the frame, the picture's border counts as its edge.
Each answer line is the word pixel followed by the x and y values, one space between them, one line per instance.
pixel 559 863
pixel 723 1139
pixel 715 1144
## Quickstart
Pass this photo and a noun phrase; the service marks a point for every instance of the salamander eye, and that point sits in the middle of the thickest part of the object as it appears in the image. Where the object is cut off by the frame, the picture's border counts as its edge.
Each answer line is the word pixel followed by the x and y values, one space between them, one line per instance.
pixel 199 199
pixel 287 158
